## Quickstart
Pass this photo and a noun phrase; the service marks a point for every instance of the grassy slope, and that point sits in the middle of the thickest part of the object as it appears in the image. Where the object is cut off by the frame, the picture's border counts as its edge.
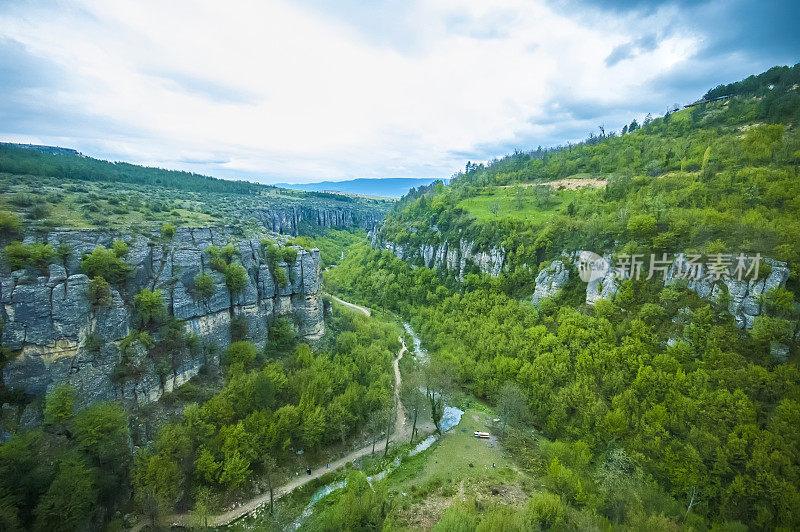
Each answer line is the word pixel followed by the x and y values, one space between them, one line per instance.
pixel 508 207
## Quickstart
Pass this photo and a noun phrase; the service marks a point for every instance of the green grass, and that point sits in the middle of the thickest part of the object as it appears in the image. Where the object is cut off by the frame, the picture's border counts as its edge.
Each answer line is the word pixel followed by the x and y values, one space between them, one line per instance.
pixel 43 203
pixel 508 207
pixel 450 458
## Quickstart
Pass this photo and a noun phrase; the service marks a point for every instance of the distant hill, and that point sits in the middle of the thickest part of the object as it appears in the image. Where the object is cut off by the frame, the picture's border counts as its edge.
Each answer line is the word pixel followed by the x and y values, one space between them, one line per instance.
pixel 50 186
pixel 389 187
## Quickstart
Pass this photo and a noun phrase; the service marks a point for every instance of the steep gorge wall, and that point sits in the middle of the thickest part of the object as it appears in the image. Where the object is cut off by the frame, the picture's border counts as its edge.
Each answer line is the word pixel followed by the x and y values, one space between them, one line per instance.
pixel 744 301
pixel 47 319
pixel 288 220
pixel 458 258
pixel 744 295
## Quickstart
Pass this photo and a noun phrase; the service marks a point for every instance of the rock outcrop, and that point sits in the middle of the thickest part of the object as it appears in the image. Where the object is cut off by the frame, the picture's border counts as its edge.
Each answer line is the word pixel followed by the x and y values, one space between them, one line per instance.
pixel 743 295
pixel 289 220
pixel 58 336
pixel 550 280
pixel 460 258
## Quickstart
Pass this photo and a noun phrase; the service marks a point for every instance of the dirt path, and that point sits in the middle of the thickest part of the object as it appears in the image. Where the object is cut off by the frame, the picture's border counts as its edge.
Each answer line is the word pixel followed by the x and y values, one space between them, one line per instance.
pixel 363 310
pixel 400 422
pixel 401 433
pixel 568 183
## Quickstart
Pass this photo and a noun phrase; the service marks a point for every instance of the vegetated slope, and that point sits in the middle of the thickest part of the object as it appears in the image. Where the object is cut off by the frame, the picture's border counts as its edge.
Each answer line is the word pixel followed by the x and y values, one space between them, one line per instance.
pixel 665 413
pixel 717 177
pixel 59 187
pixel 83 471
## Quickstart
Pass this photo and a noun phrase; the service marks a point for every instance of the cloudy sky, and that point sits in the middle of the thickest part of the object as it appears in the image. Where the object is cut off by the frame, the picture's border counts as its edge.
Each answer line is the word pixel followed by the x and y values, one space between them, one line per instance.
pixel 304 91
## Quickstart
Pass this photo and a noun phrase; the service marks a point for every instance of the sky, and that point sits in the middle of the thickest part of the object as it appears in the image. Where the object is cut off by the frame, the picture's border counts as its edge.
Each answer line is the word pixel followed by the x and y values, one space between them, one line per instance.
pixel 312 90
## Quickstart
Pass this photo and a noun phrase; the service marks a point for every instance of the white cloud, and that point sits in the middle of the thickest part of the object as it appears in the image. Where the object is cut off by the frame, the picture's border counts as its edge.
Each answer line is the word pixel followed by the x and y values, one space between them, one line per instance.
pixel 290 92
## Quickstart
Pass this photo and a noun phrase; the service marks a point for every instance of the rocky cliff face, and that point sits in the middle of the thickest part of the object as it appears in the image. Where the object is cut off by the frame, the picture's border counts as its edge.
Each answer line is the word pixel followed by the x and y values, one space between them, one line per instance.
pixel 54 330
pixel 744 295
pixel 458 258
pixel 288 220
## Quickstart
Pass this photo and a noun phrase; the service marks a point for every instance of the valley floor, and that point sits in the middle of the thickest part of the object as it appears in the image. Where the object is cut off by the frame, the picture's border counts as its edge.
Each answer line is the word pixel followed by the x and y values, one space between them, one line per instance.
pixel 402 433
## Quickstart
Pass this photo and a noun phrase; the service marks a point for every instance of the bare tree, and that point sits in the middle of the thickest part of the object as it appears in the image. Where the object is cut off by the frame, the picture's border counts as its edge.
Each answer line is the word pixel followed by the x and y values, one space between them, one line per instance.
pixel 437 383
pixel 374 424
pixel 389 416
pixel 269 464
pixel 413 399
pixel 512 404
pixel 692 493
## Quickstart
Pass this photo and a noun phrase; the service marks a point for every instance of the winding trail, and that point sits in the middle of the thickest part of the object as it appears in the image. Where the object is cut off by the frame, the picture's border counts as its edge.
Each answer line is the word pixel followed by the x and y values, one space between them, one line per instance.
pixel 400 421
pixel 401 433
pixel 353 306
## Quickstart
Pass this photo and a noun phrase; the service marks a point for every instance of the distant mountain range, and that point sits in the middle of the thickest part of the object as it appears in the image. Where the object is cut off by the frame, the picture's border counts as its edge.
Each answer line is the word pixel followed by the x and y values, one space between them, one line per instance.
pixel 389 187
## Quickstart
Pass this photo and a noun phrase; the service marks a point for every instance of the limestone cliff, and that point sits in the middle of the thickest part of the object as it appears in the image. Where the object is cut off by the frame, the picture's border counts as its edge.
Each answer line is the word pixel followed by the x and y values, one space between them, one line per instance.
pixel 460 258
pixel 743 295
pixel 48 320
pixel 288 220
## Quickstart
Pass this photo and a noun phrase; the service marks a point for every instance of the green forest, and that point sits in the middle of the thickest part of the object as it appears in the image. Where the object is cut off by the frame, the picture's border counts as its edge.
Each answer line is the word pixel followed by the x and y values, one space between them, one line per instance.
pixel 80 466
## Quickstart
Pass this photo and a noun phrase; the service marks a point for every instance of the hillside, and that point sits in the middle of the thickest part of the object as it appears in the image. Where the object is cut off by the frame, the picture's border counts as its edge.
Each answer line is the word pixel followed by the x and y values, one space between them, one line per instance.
pixel 56 187
pixel 718 177
pixel 667 400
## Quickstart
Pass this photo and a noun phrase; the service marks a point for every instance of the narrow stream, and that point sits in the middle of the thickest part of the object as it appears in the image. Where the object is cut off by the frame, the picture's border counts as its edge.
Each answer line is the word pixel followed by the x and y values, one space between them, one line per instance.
pixel 419 351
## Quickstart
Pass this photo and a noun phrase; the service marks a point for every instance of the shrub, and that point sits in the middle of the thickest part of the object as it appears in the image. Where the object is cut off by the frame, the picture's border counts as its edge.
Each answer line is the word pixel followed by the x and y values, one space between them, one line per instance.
pixel 653 168
pixel 281 336
pixel 289 255
pixel 280 277
pixel 239 328
pixel 459 517
pixel 64 252
pixel 241 352
pixel 565 481
pixel 41 255
pixel 93 343
pixel 272 254
pixel 10 224
pixel 106 264
pixel 120 247
pixel 768 329
pixel 39 211
pixel 220 257
pixel 59 405
pixel 99 293
pixel 37 255
pixel 16 255
pixel 642 225
pixel 168 230
pixel 545 510
pixel 235 277
pixel 149 306
pixel 203 286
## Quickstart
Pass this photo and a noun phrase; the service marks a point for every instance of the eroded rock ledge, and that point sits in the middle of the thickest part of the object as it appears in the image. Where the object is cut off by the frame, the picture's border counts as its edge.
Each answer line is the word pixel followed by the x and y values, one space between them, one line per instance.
pixel 461 258
pixel 47 319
